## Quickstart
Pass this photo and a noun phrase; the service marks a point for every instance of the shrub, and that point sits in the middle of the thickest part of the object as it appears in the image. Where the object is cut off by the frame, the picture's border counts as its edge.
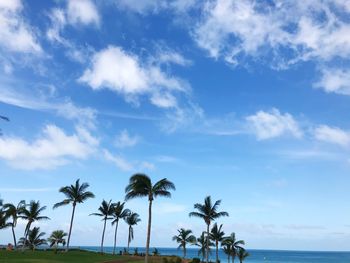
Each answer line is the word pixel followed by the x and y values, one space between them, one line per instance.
pixel 196 260
pixel 178 260
pixel 165 260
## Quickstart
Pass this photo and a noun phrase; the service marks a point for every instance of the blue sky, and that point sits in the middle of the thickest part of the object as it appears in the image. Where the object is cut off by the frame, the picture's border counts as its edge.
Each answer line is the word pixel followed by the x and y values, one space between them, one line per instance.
pixel 246 101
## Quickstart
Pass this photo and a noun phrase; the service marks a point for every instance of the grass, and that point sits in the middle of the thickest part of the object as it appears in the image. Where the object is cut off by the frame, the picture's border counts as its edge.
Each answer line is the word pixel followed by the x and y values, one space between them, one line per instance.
pixel 71 256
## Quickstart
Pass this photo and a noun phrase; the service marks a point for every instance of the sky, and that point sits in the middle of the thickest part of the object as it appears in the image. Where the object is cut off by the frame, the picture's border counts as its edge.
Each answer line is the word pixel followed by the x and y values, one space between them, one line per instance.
pixel 245 100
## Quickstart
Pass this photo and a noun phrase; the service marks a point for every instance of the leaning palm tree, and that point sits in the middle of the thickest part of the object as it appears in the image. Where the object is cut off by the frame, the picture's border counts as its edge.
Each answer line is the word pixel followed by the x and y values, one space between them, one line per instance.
pixel 75 194
pixel 208 212
pixel 105 211
pixel 34 239
pixel 31 213
pixel 119 212
pixel 57 237
pixel 242 254
pixel 140 185
pixel 132 219
pixel 235 244
pixel 14 212
pixel 217 235
pixel 183 238
pixel 204 246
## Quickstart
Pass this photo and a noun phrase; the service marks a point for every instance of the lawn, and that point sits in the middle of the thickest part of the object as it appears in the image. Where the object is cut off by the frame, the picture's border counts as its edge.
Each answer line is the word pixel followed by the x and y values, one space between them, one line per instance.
pixel 72 256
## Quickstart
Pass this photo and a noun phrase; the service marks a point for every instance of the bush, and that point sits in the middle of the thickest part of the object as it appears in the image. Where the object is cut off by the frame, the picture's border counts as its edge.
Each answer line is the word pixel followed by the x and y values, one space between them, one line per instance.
pixel 196 260
pixel 165 260
pixel 178 260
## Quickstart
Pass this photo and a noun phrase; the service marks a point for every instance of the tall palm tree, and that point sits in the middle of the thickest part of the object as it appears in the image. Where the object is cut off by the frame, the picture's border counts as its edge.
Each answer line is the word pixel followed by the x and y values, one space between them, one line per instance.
pixel 235 245
pixel 184 237
pixel 242 254
pixel 14 213
pixel 132 219
pixel 31 213
pixel 106 210
pixel 140 185
pixel 57 237
pixel 217 235
pixel 119 212
pixel 204 246
pixel 34 239
pixel 208 212
pixel 75 194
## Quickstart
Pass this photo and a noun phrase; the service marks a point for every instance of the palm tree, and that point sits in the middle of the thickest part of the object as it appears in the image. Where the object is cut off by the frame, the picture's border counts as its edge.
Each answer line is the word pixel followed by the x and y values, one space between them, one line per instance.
pixel 132 219
pixel 34 239
pixel 14 213
pixel 227 250
pixel 140 185
pixel 234 244
pixel 3 220
pixel 217 235
pixel 106 210
pixel 204 246
pixel 208 212
pixel 119 212
pixel 31 214
pixel 57 237
pixel 75 194
pixel 242 254
pixel 184 237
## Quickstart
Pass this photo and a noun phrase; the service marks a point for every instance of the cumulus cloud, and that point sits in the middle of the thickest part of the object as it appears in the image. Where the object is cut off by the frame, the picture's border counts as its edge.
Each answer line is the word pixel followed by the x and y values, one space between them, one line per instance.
pixel 114 69
pixel 82 12
pixel 124 139
pixel 332 135
pixel 16 34
pixel 335 80
pixel 271 124
pixel 51 149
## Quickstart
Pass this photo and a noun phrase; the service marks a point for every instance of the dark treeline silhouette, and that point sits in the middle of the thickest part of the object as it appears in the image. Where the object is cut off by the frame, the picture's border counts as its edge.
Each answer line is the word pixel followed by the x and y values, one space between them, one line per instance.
pixel 140 185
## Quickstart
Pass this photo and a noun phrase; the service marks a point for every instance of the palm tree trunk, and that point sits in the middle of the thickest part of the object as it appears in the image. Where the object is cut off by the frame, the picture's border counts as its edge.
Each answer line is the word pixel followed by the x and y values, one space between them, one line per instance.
pixel 103 235
pixel 115 236
pixel 184 251
pixel 14 236
pixel 217 251
pixel 228 258
pixel 70 227
pixel 148 230
pixel 129 239
pixel 207 248
pixel 26 231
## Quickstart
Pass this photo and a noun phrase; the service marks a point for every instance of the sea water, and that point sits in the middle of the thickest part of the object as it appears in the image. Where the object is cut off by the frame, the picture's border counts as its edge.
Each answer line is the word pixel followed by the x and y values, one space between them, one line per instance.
pixel 256 256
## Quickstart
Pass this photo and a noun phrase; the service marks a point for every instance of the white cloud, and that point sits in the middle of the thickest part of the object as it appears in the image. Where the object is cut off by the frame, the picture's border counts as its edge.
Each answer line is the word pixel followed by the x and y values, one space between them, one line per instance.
pixel 124 139
pixel 332 135
pixel 267 125
pixel 15 33
pixel 119 161
pixel 51 149
pixel 113 68
pixel 335 80
pixel 82 12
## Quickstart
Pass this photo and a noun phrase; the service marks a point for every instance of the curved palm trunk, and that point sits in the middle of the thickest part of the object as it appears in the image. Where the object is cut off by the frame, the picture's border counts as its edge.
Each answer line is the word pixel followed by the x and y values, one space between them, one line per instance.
pixel 115 236
pixel 217 251
pixel 70 227
pixel 14 236
pixel 103 234
pixel 26 231
pixel 148 230
pixel 207 248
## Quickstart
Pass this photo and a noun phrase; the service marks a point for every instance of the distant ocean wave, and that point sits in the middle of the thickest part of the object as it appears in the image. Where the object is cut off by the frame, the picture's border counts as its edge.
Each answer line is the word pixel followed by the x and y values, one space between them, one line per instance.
pixel 256 256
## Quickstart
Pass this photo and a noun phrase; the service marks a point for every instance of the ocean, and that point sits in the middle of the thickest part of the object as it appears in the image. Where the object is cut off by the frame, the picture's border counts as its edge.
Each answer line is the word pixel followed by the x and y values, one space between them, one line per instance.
pixel 256 256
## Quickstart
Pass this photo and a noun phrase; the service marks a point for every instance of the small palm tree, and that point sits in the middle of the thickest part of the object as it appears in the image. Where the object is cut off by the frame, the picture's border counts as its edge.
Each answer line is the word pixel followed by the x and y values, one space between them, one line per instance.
pixel 204 245
pixel 119 212
pixel 140 185
pixel 227 250
pixel 183 238
pixel 14 213
pixel 208 212
pixel 242 254
pixel 132 219
pixel 234 244
pixel 217 235
pixel 155 252
pixel 75 194
pixel 57 237
pixel 34 239
pixel 31 213
pixel 106 210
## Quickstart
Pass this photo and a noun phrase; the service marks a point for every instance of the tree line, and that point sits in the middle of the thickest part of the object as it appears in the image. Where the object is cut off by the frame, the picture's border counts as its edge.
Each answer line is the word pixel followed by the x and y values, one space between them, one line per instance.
pixel 140 185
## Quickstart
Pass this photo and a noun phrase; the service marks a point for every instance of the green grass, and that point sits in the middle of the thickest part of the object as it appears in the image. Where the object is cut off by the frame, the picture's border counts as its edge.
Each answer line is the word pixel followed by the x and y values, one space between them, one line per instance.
pixel 71 256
